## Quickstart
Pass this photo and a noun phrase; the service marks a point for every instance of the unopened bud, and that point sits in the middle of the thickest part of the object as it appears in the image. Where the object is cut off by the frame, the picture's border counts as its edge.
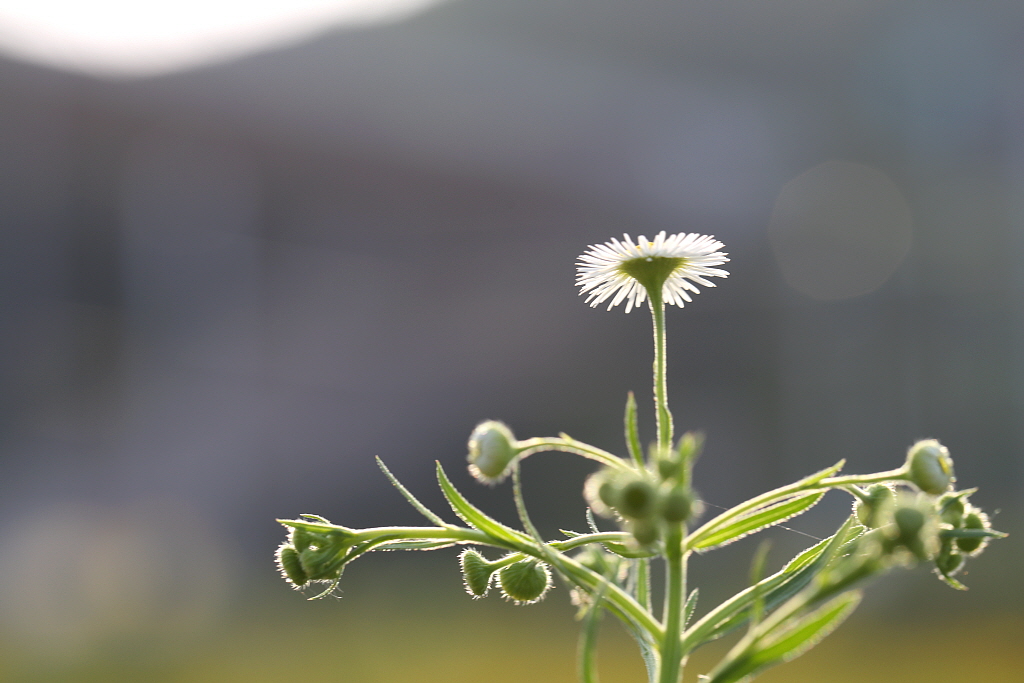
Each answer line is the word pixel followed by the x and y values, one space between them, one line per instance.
pixel 930 467
pixel 951 508
pixel 318 565
pixel 669 469
pixel 525 582
pixel 602 492
pixel 870 511
pixel 290 567
pixel 949 561
pixel 637 499
pixel 974 519
pixel 676 505
pixel 913 530
pixel 301 539
pixel 476 573
pixel 645 531
pixel 492 448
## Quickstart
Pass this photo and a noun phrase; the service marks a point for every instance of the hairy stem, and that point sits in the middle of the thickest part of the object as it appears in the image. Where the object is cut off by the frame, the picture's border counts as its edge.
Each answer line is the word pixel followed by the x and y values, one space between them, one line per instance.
pixel 675 592
pixel 664 417
pixel 566 444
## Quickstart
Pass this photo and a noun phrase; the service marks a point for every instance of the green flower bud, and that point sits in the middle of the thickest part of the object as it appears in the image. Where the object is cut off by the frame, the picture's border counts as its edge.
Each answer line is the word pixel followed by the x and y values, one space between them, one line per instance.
pixel 951 508
pixel 909 521
pixel 637 499
pixel 320 565
pixel 948 561
pixel 930 467
pixel 301 539
pixel 676 505
pixel 914 528
pixel 602 492
pixel 608 493
pixel 690 446
pixel 290 567
pixel 669 469
pixel 492 448
pixel 477 572
pixel 322 557
pixel 645 531
pixel 870 512
pixel 525 582
pixel 974 519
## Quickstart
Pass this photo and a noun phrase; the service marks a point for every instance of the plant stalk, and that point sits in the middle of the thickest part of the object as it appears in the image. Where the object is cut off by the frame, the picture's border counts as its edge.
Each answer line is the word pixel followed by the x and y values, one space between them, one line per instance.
pixel 675 594
pixel 664 417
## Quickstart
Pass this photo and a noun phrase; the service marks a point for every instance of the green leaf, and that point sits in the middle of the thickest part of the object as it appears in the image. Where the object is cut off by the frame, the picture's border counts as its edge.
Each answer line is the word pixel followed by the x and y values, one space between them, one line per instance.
pixel 711 536
pixel 632 432
pixel 971 533
pixel 775 589
pixel 420 507
pixel 690 606
pixel 784 642
pixel 474 517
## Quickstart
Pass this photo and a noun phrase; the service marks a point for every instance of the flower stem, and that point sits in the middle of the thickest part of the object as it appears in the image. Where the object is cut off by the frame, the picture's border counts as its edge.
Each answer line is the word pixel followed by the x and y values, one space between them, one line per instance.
pixel 566 444
pixel 664 417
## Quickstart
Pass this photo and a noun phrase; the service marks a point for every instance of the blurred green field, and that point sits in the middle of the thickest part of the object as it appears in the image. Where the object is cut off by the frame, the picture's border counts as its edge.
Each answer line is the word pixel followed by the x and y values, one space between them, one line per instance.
pixel 392 626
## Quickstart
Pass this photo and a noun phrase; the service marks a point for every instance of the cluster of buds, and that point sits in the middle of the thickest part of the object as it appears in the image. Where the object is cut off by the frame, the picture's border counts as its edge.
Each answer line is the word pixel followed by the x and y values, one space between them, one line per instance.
pixel 644 501
pixel 966 531
pixel 938 525
pixel 313 555
pixel 522 581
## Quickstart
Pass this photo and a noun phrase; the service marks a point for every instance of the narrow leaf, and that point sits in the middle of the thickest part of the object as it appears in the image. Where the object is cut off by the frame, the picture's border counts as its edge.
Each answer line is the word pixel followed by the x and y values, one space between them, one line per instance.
pixel 690 606
pixel 632 432
pixel 760 518
pixel 420 507
pixel 476 518
pixel 775 589
pixel 785 642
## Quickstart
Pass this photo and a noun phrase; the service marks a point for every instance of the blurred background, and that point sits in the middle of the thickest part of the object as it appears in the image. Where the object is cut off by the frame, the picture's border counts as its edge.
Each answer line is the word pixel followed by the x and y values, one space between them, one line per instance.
pixel 240 259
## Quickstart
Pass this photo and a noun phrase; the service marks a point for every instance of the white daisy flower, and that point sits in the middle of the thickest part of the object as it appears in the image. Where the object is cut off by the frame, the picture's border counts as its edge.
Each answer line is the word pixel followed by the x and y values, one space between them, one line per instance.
pixel 624 270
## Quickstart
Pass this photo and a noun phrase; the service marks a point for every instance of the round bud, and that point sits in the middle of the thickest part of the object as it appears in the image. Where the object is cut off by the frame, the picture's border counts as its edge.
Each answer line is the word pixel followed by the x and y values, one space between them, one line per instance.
pixel 320 564
pixel 911 532
pixel 476 572
pixel 930 467
pixel 948 561
pixel 974 519
pixel 290 566
pixel 909 521
pixel 676 505
pixel 645 531
pixel 637 499
pixel 690 445
pixel 608 493
pixel 492 448
pixel 951 509
pixel 301 539
pixel 525 582
pixel 669 469
pixel 879 498
pixel 602 492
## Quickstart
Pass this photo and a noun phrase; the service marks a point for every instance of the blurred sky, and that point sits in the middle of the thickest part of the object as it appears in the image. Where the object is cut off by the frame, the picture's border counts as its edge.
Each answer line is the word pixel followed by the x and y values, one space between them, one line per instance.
pixel 233 270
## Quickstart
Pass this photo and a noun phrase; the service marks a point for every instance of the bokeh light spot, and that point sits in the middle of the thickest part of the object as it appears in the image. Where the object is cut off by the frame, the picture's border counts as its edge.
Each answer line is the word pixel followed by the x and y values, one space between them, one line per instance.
pixel 840 230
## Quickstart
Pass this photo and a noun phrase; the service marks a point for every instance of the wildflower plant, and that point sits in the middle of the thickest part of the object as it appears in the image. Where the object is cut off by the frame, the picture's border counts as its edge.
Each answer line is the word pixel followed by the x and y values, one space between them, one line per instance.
pixel 904 516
